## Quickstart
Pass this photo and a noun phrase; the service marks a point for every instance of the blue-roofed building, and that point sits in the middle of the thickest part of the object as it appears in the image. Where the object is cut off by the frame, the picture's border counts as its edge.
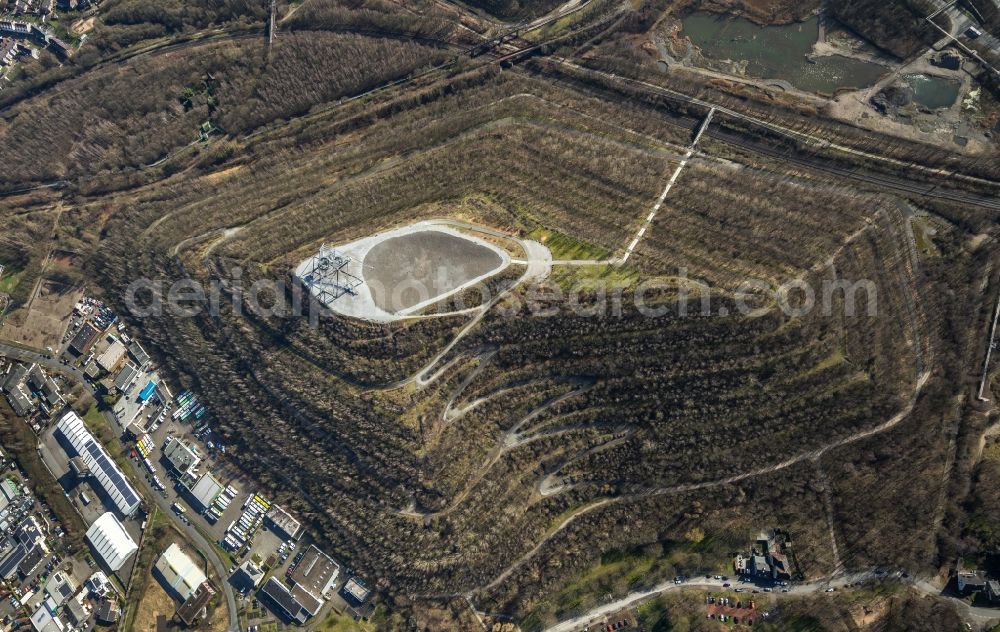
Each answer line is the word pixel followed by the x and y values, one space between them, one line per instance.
pixel 102 466
pixel 147 392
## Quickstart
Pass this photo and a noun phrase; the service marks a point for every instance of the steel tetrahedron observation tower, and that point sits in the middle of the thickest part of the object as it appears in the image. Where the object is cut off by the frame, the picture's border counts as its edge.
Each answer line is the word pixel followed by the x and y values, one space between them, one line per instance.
pixel 328 276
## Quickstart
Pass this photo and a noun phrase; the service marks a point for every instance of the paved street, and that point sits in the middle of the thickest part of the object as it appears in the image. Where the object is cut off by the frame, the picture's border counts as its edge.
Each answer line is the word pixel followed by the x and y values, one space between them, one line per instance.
pixel 981 616
pixel 203 545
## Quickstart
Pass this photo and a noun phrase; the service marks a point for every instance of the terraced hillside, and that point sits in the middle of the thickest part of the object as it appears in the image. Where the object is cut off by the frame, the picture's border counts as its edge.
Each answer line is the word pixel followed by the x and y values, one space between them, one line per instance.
pixel 561 424
pixel 652 411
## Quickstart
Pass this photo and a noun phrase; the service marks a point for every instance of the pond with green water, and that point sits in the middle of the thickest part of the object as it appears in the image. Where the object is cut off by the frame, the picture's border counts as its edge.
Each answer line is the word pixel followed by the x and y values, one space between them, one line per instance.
pixel 934 92
pixel 778 52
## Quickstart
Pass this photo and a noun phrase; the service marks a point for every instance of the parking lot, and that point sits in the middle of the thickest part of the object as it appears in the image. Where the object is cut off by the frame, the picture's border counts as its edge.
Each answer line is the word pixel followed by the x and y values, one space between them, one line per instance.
pixel 264 543
pixel 145 414
pixel 265 547
pixel 130 408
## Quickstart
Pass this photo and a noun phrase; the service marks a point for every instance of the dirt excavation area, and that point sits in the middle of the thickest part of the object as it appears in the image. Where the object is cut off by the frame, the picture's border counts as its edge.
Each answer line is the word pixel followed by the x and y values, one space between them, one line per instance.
pixel 411 269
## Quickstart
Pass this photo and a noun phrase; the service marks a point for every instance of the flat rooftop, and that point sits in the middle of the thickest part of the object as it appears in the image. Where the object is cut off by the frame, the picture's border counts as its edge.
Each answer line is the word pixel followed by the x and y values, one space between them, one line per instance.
pixel 315 572
pixel 206 489
pixel 357 589
pixel 282 520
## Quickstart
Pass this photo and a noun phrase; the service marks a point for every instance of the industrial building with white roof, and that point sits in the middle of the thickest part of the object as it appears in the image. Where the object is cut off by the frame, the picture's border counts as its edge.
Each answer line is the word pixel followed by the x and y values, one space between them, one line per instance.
pixel 179 572
pixel 111 542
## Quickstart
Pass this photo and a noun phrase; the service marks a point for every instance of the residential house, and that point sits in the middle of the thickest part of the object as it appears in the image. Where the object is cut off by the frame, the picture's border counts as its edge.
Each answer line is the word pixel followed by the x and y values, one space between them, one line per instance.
pixel 46 387
pixel 15 388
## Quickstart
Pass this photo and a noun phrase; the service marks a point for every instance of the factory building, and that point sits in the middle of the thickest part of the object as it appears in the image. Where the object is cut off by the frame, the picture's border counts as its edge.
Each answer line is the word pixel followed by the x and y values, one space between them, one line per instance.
pixel 110 541
pixel 179 573
pixel 205 491
pixel 126 378
pixel 102 467
pixel 312 578
pixel 247 577
pixel 138 353
pixel 113 357
pixel 278 596
pixel 282 523
pixel 181 456
pixel 83 339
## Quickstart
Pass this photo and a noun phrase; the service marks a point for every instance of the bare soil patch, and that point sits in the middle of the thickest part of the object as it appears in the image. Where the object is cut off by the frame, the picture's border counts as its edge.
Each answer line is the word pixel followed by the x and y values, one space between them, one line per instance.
pixel 42 322
pixel 218 176
pixel 82 26
pixel 66 259
pixel 155 603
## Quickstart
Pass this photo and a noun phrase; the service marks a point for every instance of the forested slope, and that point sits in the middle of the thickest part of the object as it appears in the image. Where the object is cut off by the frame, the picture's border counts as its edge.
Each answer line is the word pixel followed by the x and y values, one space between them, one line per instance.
pixel 653 410
pixel 897 26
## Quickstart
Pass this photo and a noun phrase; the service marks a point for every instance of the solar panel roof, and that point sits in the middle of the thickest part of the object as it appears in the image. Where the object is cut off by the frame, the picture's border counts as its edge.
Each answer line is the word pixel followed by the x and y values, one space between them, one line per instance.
pixel 101 464
pixel 12 560
pixel 111 471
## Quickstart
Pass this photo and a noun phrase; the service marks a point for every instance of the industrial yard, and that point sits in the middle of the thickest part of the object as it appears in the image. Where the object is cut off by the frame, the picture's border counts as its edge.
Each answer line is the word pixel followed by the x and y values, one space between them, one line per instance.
pixel 107 465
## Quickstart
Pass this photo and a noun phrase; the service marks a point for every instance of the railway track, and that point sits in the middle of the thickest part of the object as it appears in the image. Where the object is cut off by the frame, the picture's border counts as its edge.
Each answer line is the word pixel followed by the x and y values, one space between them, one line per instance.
pixel 881 181
pixel 913 189
pixel 888 181
pixel 898 184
